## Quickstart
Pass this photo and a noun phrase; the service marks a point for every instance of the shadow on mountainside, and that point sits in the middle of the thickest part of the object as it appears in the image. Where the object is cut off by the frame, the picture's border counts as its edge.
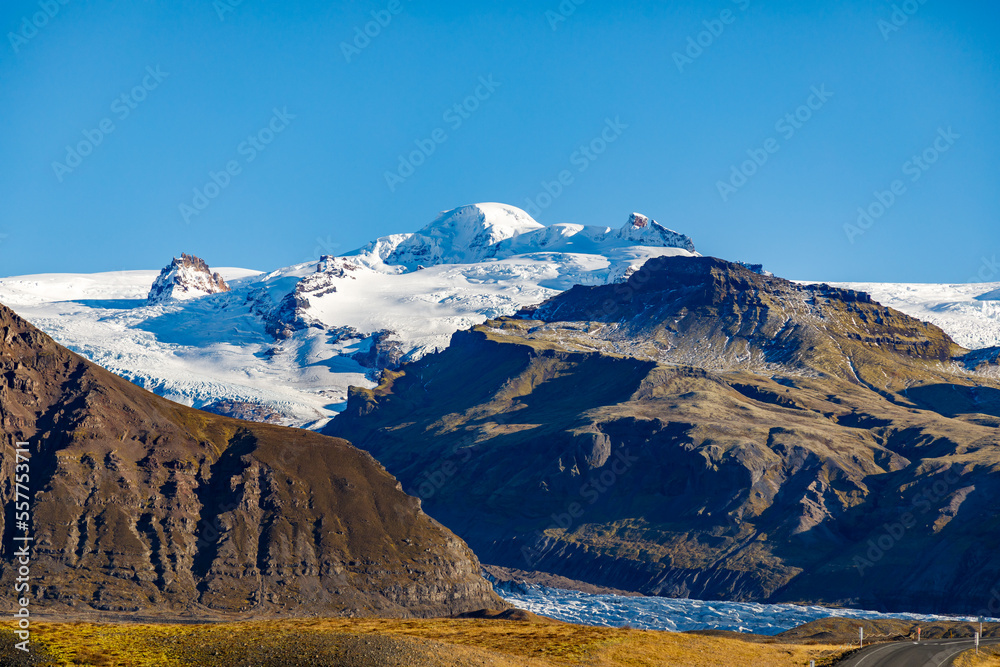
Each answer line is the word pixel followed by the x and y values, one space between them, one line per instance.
pixel 951 400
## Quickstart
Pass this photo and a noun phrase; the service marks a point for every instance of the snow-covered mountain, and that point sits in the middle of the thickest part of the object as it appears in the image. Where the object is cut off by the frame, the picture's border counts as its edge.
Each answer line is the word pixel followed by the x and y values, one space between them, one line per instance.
pixel 465 235
pixel 287 344
pixel 471 263
pixel 484 232
pixel 186 277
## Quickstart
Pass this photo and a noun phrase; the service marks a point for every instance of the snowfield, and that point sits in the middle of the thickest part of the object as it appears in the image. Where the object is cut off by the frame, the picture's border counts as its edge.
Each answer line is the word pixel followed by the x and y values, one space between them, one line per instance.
pixel 293 340
pixel 194 352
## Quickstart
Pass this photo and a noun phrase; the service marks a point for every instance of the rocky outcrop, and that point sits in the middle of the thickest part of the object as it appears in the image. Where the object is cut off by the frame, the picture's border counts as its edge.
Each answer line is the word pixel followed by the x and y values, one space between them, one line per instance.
pixel 705 430
pixel 245 410
pixel 147 507
pixel 185 278
pixel 641 230
pixel 382 352
pixel 291 313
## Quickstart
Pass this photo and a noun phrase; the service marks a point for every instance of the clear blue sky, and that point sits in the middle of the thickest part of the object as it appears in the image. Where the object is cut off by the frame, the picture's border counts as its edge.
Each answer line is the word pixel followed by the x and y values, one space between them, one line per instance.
pixel 320 184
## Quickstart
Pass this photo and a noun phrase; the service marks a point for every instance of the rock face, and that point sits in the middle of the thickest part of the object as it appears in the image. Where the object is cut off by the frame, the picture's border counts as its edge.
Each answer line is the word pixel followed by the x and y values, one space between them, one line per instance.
pixel 185 278
pixel 244 410
pixel 144 506
pixel 292 312
pixel 705 430
pixel 383 352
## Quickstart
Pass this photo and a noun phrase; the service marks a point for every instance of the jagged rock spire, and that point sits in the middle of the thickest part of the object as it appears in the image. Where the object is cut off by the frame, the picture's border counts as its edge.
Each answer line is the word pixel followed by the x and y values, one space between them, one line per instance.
pixel 186 278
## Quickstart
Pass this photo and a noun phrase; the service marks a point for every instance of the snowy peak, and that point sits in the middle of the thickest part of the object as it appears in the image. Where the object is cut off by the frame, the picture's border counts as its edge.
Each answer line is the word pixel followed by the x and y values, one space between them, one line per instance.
pixel 185 278
pixel 638 231
pixel 464 235
pixel 641 230
pixel 482 232
pixel 480 224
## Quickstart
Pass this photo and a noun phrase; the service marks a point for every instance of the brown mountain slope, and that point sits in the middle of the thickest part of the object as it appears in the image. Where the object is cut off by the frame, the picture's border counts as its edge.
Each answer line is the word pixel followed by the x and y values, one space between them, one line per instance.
pixel 707 431
pixel 145 506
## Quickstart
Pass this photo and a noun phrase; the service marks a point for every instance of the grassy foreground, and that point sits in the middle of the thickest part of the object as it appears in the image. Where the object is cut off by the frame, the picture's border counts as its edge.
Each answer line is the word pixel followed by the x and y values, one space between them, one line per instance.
pixel 989 656
pixel 409 643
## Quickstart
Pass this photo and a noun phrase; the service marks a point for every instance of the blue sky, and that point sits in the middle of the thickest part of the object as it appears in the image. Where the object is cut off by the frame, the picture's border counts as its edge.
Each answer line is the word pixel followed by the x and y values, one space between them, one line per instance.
pixel 203 83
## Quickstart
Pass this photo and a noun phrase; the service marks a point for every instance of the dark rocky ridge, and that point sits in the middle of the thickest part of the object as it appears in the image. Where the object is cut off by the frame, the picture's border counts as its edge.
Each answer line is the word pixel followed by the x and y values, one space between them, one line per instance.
pixel 704 430
pixel 143 506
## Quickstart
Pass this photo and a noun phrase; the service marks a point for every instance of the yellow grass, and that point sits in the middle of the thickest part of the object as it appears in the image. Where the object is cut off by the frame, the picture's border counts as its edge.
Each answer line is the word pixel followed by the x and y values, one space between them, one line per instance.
pixel 498 642
pixel 989 656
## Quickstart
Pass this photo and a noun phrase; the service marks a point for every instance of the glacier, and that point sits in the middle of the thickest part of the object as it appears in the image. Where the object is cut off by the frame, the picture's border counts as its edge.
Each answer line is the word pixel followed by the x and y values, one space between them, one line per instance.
pixel 681 614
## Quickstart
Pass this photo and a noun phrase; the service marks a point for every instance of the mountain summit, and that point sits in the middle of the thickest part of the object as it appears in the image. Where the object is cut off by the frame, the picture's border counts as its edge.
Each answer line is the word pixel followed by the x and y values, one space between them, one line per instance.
pixel 483 232
pixel 461 236
pixel 186 277
pixel 640 230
